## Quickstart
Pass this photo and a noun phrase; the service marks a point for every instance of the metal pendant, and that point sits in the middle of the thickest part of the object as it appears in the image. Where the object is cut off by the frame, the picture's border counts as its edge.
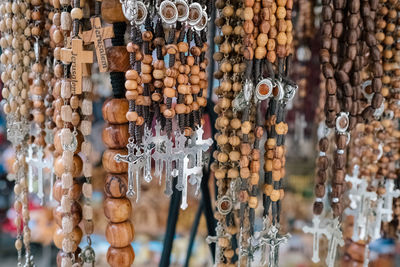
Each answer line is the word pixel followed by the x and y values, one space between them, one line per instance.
pixel 168 12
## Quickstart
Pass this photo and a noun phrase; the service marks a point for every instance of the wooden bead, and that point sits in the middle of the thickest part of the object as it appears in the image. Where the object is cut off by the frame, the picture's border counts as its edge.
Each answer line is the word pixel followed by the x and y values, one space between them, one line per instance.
pixel 111 11
pixel 115 136
pixel 76 168
pixel 117 209
pixel 114 110
pixel 118 58
pixel 120 234
pixel 109 163
pixel 120 257
pixel 74 192
pixel 76 236
pixel 115 185
pixel 76 214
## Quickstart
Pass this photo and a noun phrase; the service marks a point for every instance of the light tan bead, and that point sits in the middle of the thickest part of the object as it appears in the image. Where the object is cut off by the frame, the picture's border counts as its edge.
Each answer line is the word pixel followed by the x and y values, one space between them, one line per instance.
pixel 66 113
pixel 67 180
pixel 86 127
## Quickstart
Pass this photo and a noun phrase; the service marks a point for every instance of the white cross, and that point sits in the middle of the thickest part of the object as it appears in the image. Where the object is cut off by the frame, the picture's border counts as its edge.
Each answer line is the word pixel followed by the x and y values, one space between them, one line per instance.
pixel 316 230
pixel 29 160
pixel 388 200
pixel 187 171
pixel 300 125
pixel 159 141
pixel 376 234
pixel 335 239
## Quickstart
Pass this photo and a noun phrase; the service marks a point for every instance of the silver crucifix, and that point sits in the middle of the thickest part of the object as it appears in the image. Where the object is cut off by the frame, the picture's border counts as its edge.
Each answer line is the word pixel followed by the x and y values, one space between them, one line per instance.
pixel 335 239
pixel 316 230
pixel 220 233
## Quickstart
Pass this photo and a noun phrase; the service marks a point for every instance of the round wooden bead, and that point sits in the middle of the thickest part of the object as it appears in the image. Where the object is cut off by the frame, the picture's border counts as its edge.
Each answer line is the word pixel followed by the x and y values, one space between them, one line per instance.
pixel 58 191
pixel 115 135
pixel 61 254
pixel 76 212
pixel 57 142
pixel 120 257
pixel 76 236
pixel 117 209
pixel 120 234
pixel 109 163
pixel 114 110
pixel 116 185
pixel 76 168
pixel 111 11
pixel 118 58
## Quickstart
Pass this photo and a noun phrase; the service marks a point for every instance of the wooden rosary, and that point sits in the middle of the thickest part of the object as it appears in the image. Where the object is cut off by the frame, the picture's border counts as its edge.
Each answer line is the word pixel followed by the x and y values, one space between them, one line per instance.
pixel 156 54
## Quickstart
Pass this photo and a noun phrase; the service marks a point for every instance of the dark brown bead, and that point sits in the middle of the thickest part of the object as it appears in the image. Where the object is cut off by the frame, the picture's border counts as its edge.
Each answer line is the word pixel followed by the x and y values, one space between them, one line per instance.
pixel 352 52
pixel 323 144
pixel 326 29
pixel 330 85
pixel 109 163
pixel 343 77
pixel 353 21
pixel 339 177
pixel 334 60
pixel 318 208
pixel 334 45
pixel 341 141
pixel 377 69
pixel 323 163
pixel 346 65
pixel 337 209
pixel 376 85
pixel 367 113
pixel 326 13
pixel 339 4
pixel 348 102
pixel 326 43
pixel 375 53
pixel 327 70
pixel 319 190
pixel 354 6
pixel 374 4
pixel 352 122
pixel 324 55
pixel 338 16
pixel 340 161
pixel 331 102
pixel 377 100
pixel 337 30
pixel 348 89
pixel 321 177
pixel 370 39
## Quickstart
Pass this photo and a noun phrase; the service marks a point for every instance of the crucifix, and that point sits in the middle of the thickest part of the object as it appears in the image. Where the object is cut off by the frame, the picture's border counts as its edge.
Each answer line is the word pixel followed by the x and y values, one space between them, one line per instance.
pixel 361 199
pixel 300 125
pixel 159 141
pixel 187 171
pixel 214 239
pixel 97 35
pixel 316 230
pixel 376 233
pixel 335 239
pixel 39 163
pixel 388 200
pixel 77 57
pixel 29 161
pixel 256 241
pixel 201 145
pixel 181 151
pixel 131 158
pixel 274 240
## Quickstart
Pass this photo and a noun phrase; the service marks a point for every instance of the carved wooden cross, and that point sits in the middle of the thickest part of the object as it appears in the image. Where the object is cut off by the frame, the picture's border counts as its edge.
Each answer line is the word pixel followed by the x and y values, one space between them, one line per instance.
pixel 97 35
pixel 77 57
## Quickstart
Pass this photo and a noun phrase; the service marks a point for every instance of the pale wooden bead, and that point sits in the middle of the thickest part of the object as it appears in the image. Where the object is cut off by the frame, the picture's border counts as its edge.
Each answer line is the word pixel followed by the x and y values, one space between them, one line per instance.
pixel 67 160
pixel 66 136
pixel 66 262
pixel 87 190
pixel 68 245
pixel 66 21
pixel 65 2
pixel 66 113
pixel 86 148
pixel 87 169
pixel 76 13
pixel 87 84
pixel 87 212
pixel 67 224
pixel 67 180
pixel 87 107
pixel 86 127
pixel 66 204
pixel 65 89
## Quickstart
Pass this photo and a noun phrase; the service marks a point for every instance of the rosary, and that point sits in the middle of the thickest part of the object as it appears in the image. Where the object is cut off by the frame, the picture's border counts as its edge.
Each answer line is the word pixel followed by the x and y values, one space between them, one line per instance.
pixel 156 54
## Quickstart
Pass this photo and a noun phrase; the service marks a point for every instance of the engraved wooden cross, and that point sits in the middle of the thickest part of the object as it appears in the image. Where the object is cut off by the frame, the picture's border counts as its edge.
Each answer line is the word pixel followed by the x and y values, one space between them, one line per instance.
pixel 97 35
pixel 77 57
